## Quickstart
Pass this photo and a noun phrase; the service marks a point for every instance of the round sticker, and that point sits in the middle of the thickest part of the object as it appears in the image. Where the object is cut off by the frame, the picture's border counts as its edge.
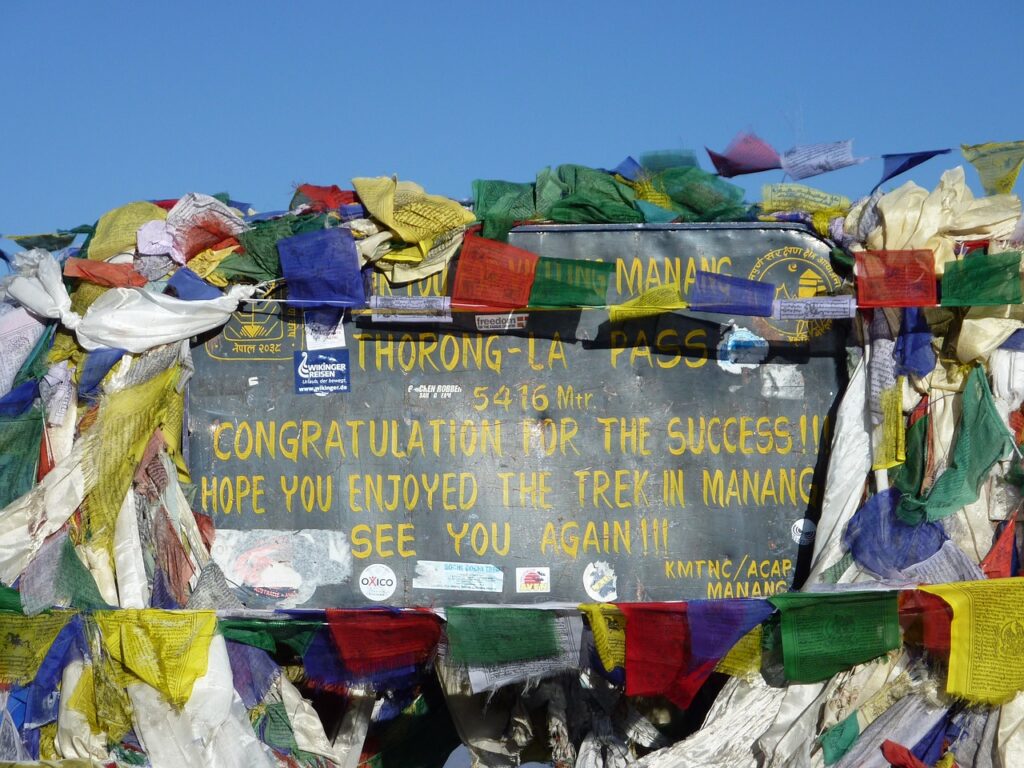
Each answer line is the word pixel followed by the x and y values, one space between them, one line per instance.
pixel 599 582
pixel 377 582
pixel 802 531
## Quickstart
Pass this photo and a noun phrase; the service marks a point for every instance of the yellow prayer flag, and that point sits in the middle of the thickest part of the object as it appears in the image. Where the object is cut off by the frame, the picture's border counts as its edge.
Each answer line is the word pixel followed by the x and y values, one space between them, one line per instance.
pixel 205 262
pixel 609 628
pixel 664 298
pixel 744 659
pixel 168 650
pixel 986 655
pixel 126 422
pixel 83 698
pixel 998 164
pixel 117 230
pixel 24 641
pixel 407 210
pixel 893 447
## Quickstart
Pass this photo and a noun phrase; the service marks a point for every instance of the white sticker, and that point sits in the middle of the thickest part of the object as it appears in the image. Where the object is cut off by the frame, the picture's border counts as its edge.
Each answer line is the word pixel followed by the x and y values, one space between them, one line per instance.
pixel 782 382
pixel 377 582
pixel 803 531
pixel 282 569
pixel 460 577
pixel 739 349
pixel 509 322
pixel 533 579
pixel 322 335
pixel 599 581
pixel 411 309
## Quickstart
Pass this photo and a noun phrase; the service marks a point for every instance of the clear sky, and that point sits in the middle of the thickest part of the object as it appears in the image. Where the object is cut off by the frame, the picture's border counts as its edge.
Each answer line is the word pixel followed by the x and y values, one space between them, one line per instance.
pixel 110 102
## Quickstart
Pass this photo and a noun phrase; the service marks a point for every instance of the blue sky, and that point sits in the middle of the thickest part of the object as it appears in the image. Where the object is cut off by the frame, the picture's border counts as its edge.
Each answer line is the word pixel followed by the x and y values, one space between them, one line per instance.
pixel 115 101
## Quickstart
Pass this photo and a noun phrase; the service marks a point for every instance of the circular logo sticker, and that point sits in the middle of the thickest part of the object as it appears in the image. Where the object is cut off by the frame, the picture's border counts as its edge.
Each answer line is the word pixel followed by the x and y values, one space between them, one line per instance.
pixel 377 582
pixel 599 582
pixel 803 531
pixel 797 273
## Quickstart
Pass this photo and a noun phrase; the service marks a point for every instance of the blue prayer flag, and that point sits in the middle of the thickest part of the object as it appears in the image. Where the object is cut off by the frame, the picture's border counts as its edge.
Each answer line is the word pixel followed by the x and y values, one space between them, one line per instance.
pixel 913 351
pixel 321 269
pixel 895 164
pixel 731 295
pixel 884 544
pixel 189 286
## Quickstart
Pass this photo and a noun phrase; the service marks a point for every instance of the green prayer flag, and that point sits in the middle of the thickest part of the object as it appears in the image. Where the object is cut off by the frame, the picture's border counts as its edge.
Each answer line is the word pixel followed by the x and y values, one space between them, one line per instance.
pixel 982 280
pixel 499 204
pixel 75 580
pixel 260 261
pixel 10 600
pixel 274 728
pixel 53 241
pixel 837 740
pixel 20 437
pixel 571 283
pixel 593 197
pixel 37 363
pixel 499 635
pixel 826 632
pixel 909 475
pixel 981 440
pixel 268 634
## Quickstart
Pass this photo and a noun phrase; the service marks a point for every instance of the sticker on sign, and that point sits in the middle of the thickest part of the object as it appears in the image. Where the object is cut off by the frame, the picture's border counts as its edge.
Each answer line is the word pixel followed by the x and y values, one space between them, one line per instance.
pixel 320 372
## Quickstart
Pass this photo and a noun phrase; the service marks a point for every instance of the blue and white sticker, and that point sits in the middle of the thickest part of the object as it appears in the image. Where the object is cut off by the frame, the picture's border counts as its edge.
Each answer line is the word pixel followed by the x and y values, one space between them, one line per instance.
pixel 320 372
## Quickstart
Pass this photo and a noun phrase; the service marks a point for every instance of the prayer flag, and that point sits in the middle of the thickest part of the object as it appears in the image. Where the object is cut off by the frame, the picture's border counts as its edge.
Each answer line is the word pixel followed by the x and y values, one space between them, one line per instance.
pixel 628 169
pixel 24 643
pixel 20 437
pixel 321 198
pixel 571 283
pixel 104 273
pixel 997 163
pixel 746 153
pixel 824 633
pixel 731 295
pixel 656 301
pixel 895 279
pixel 168 650
pixel 50 242
pixel 884 544
pixel 998 563
pixel 811 159
pixel 985 662
pixel 717 625
pixel 371 642
pixel 897 163
pixel 321 269
pixel 186 284
pixel 981 440
pixel 496 635
pixel 609 627
pixel 982 280
pixel 659 654
pixel 493 274
pixel 913 351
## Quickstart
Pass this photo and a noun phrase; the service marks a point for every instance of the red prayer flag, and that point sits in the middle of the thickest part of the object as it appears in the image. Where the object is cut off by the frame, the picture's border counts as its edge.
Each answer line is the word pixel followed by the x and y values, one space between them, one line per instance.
pixel 659 660
pixel 747 153
pixel 104 273
pixel 925 619
pixel 998 563
pixel 372 641
pixel 896 279
pixel 493 274
pixel 326 198
pixel 899 756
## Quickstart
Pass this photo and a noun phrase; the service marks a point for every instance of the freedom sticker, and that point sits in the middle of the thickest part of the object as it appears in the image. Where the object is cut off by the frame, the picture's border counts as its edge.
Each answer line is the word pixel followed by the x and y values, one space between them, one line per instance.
pixel 320 372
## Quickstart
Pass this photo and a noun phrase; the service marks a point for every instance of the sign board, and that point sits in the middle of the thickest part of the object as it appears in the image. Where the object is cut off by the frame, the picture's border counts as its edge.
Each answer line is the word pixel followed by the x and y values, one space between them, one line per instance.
pixel 416 455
